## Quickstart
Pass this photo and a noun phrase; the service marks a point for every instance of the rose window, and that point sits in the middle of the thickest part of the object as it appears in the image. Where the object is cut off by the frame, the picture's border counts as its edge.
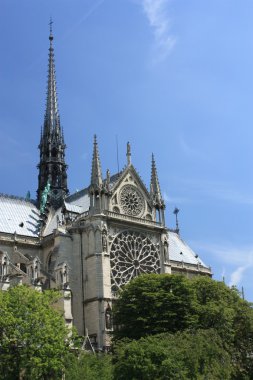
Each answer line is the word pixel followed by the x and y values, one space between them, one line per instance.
pixel 131 200
pixel 132 254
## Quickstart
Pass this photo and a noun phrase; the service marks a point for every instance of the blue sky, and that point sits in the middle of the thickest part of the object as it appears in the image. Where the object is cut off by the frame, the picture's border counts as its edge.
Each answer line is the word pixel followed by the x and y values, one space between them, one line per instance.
pixel 172 77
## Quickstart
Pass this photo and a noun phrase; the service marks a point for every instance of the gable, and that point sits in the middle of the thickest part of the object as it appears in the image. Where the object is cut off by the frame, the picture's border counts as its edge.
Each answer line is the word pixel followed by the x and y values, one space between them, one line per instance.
pixel 130 195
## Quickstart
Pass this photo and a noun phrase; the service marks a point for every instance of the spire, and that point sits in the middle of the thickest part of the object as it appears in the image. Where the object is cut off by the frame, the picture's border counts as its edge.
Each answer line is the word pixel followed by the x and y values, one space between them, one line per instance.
pixel 52 166
pixel 155 190
pixel 52 118
pixel 96 172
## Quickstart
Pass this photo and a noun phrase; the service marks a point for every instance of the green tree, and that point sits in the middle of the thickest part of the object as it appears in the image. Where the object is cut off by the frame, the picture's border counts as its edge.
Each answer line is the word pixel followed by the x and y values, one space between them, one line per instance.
pixel 152 304
pixel 221 308
pixel 179 356
pixel 88 367
pixel 33 336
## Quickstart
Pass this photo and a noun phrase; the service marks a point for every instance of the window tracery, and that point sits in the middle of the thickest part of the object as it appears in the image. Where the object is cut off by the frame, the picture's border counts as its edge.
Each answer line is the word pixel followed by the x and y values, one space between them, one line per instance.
pixel 131 200
pixel 132 254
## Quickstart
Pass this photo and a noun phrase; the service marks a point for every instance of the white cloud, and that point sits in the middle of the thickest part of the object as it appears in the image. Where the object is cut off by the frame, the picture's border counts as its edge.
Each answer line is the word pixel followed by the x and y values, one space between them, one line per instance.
pixel 226 252
pixel 237 276
pixel 157 15
pixel 237 260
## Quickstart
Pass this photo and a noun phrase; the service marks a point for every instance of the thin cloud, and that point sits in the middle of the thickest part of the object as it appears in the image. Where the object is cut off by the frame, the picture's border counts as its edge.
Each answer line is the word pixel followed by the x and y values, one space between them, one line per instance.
pixel 190 151
pixel 226 252
pixel 237 260
pixel 86 15
pixel 174 200
pixel 219 190
pixel 157 15
pixel 237 276
pixel 69 31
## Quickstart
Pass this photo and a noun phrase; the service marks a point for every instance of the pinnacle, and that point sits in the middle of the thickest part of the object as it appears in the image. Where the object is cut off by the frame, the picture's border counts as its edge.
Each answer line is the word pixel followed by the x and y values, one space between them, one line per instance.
pixel 155 190
pixel 96 172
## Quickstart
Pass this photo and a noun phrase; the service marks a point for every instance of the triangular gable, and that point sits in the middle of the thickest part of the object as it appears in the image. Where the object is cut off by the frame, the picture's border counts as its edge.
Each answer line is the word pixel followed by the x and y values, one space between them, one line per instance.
pixel 129 176
pixel 139 183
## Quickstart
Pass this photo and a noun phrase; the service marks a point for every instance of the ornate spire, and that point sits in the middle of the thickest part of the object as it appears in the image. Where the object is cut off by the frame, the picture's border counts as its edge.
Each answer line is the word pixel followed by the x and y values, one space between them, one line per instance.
pixel 52 166
pixel 96 181
pixel 52 118
pixel 155 190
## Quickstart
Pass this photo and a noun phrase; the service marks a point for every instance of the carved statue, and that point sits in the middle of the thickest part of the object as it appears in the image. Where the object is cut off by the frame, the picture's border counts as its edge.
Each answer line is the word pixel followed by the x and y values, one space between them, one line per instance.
pixel 44 197
pixel 128 154
pixel 108 317
pixel 166 251
pixel 104 239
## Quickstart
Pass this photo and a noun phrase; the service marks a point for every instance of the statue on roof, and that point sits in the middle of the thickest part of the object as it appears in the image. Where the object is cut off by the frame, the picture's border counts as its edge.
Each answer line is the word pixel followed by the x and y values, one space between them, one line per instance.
pixel 44 197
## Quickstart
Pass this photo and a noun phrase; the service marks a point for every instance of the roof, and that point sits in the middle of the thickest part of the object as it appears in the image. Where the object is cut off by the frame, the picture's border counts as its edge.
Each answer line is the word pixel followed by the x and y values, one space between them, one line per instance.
pixel 23 217
pixel 73 208
pixel 18 215
pixel 79 202
pixel 53 220
pixel 180 251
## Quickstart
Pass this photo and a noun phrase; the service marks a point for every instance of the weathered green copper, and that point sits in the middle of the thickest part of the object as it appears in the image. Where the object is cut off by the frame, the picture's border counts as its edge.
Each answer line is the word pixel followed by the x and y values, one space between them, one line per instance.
pixel 44 197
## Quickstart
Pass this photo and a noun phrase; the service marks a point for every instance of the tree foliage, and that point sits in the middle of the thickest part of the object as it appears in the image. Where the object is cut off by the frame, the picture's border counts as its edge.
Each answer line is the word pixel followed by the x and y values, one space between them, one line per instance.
pixel 89 367
pixel 180 356
pixel 33 336
pixel 152 304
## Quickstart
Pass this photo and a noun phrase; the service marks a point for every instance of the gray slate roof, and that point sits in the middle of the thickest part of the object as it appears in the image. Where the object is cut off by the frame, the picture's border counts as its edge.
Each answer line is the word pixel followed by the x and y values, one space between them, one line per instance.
pixel 18 215
pixel 22 216
pixel 180 251
pixel 80 199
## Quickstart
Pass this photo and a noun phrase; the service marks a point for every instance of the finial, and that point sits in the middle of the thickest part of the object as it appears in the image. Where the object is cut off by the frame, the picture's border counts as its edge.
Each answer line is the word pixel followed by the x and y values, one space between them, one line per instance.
pixel 96 173
pixel 51 30
pixel 128 154
pixel 176 211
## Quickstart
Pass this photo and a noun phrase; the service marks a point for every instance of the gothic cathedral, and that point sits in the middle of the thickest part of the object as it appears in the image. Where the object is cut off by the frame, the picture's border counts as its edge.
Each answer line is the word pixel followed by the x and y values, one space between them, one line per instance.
pixel 91 243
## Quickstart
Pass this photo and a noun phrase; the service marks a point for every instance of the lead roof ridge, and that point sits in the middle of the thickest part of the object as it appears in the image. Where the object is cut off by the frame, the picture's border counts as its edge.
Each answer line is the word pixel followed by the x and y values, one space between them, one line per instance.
pixel 19 198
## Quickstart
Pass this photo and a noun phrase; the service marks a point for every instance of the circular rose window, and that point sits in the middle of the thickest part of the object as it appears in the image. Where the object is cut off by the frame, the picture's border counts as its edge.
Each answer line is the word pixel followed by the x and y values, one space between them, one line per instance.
pixel 131 201
pixel 132 254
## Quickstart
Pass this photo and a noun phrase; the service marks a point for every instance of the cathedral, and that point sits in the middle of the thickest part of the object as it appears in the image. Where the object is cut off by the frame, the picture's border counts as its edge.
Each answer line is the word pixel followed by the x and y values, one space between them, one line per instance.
pixel 91 243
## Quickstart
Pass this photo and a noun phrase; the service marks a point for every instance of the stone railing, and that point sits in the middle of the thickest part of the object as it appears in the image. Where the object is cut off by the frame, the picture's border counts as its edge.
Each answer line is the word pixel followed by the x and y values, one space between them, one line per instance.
pixel 133 219
pixel 124 217
pixel 196 267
